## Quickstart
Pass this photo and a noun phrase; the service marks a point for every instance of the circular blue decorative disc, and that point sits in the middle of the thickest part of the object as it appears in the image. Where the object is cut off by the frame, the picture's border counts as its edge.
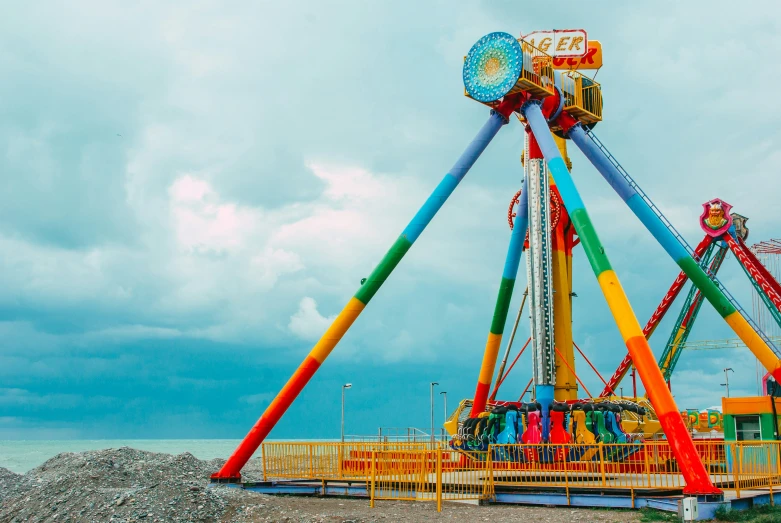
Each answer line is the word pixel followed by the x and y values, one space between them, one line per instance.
pixel 492 67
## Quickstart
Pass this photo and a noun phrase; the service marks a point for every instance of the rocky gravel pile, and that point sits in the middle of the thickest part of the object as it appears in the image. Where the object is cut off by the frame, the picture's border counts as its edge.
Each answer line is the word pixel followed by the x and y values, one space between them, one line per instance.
pixel 127 485
pixel 8 479
pixel 116 485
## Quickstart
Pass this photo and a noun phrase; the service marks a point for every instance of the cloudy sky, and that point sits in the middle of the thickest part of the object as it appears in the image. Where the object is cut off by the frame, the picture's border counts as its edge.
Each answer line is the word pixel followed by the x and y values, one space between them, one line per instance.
pixel 188 194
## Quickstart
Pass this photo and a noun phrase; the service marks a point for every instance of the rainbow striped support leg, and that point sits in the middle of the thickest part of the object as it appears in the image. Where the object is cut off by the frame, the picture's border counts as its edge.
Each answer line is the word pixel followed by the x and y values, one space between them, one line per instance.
pixel 697 479
pixel 231 471
pixel 511 263
pixel 678 252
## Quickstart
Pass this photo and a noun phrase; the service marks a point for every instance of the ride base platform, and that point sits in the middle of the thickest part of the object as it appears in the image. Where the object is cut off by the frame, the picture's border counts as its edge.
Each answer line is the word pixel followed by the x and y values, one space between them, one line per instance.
pixel 505 493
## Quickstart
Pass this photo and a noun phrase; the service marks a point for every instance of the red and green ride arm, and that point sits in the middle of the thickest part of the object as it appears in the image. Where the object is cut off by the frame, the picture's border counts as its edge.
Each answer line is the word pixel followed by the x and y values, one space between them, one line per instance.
pixel 511 263
pixel 769 278
pixel 697 479
pixel 231 470
pixel 763 285
pixel 653 322
pixel 674 244
pixel 713 259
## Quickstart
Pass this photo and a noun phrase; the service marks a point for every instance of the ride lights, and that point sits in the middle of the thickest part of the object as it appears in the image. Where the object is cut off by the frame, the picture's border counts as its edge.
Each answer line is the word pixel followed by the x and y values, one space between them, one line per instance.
pixel 492 67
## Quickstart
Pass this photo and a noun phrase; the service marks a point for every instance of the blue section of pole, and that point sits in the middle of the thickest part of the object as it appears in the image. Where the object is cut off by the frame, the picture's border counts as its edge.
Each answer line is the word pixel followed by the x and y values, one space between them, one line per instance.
pixel 521 224
pixel 544 395
pixel 634 201
pixel 454 176
pixel 565 185
pixel 600 161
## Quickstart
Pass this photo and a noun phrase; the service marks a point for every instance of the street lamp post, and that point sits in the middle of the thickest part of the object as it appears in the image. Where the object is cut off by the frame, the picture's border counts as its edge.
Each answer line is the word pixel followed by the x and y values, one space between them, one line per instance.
pixel 433 384
pixel 345 386
pixel 726 379
pixel 444 396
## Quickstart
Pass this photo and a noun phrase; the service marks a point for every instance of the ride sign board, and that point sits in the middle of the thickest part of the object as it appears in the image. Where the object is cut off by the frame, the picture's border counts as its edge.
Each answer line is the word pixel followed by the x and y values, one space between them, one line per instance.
pixel 591 60
pixel 560 43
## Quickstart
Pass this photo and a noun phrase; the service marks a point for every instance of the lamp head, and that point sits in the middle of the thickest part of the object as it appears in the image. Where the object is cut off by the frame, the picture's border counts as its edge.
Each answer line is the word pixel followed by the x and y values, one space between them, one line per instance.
pixel 347 385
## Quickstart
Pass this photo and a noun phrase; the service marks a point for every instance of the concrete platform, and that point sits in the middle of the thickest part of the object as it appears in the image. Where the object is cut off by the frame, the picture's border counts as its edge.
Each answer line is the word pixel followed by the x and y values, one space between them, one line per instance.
pixel 578 495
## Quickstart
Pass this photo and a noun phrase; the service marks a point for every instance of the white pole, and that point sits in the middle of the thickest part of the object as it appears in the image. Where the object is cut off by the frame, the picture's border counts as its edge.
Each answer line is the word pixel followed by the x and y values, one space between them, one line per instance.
pixel 444 396
pixel 345 386
pixel 433 384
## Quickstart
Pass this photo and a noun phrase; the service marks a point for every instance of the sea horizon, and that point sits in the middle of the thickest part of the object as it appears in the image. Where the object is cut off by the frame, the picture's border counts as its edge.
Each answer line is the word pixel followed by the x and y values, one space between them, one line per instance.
pixel 21 456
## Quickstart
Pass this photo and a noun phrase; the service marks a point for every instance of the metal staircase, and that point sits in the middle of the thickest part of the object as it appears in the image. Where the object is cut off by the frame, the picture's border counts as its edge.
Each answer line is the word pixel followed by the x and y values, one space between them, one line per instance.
pixel 681 239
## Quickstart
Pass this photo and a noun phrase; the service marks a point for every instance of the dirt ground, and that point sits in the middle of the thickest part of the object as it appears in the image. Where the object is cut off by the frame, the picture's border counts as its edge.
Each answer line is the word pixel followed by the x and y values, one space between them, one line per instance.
pixel 257 507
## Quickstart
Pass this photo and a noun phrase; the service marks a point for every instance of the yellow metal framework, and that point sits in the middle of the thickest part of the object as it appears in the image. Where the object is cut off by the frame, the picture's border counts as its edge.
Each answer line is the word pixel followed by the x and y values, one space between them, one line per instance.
pixel 537 71
pixel 582 97
pixel 423 472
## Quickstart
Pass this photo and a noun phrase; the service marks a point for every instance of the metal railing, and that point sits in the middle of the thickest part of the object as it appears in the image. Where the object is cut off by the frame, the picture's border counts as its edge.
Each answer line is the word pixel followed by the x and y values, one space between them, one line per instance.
pixel 582 97
pixel 415 471
pixel 317 460
pixel 398 435
pixel 730 343
pixel 441 475
pixel 536 73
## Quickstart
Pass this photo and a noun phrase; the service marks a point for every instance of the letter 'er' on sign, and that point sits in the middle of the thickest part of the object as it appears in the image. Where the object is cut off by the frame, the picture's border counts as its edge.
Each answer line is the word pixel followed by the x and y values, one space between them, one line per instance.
pixel 560 43
pixel 591 60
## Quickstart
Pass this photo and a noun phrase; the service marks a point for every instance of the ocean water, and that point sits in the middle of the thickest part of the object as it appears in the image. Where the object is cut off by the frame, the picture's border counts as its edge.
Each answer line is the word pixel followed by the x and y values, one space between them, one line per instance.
pixel 21 456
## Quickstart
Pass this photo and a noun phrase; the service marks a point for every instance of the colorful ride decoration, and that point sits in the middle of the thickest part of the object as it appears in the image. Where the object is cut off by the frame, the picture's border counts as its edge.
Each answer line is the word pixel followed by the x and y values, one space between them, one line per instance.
pixel 492 67
pixel 580 423
pixel 716 219
pixel 715 419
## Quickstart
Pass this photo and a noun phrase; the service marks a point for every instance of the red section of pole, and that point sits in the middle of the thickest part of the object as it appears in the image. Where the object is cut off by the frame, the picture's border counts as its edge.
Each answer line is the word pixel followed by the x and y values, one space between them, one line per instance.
pixel 231 469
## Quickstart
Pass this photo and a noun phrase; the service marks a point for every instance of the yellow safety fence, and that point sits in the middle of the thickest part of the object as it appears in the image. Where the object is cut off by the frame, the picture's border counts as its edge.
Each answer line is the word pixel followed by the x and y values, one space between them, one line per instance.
pixel 302 460
pixel 441 475
pixel 426 472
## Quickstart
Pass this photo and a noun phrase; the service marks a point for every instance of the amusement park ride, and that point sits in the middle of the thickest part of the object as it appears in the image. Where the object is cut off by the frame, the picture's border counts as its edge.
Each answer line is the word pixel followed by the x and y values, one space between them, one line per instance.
pixel 538 80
